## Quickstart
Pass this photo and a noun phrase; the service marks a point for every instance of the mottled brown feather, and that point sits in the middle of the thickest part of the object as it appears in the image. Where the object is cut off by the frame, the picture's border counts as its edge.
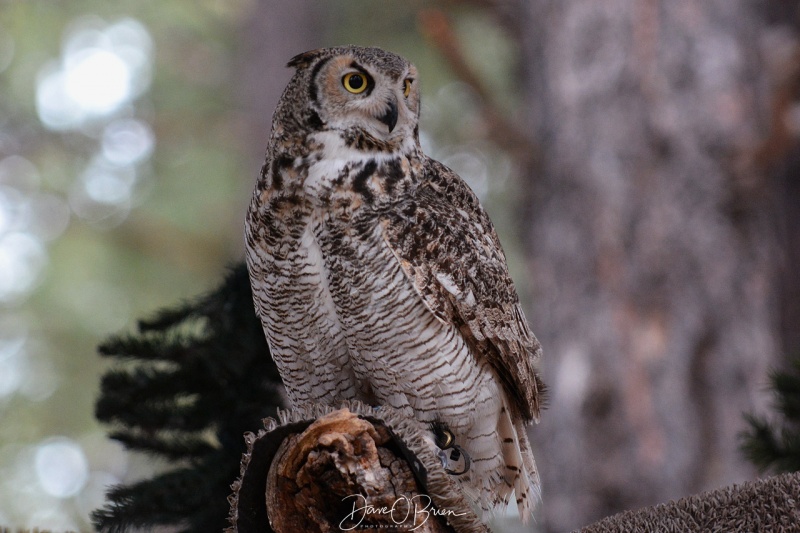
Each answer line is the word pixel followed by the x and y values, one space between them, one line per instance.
pixel 461 252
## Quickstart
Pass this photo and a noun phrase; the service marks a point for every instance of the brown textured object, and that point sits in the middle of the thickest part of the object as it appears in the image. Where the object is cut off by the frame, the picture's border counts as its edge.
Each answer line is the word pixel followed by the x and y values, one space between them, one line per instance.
pixel 770 505
pixel 338 473
pixel 320 469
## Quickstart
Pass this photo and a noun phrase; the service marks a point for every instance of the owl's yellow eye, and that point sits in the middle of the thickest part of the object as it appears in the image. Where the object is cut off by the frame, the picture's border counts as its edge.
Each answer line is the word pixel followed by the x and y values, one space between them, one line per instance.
pixel 406 88
pixel 355 82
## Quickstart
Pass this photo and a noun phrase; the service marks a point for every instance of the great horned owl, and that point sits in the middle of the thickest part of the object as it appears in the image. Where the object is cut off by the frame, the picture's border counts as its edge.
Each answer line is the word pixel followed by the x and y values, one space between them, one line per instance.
pixel 378 276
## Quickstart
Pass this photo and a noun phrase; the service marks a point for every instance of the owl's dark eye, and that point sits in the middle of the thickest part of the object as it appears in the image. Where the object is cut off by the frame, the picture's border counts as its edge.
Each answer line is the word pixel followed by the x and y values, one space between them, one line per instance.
pixel 355 82
pixel 407 88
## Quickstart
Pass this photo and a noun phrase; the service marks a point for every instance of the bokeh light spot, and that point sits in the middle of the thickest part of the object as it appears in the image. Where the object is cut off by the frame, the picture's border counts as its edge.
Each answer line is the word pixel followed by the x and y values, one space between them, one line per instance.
pixel 22 261
pixel 12 364
pixel 102 69
pixel 61 467
pixel 18 172
pixel 127 142
pixel 97 80
pixel 50 216
pixel 108 184
pixel 41 379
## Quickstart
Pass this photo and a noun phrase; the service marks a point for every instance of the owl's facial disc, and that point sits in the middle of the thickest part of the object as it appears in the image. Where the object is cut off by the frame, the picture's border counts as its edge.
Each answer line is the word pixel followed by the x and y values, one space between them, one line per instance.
pixel 352 93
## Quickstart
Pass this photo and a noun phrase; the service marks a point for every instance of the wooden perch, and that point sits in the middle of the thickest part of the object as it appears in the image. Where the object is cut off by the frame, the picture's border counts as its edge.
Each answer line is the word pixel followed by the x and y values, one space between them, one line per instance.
pixel 350 469
pixel 359 467
pixel 340 472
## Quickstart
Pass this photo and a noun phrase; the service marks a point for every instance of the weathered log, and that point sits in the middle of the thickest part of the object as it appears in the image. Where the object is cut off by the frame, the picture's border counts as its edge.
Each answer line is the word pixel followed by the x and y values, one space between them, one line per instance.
pixel 359 467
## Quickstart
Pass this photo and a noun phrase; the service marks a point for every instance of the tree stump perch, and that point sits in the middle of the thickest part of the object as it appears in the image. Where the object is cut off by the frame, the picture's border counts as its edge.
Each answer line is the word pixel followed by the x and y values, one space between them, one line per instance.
pixel 358 468
pixel 339 472
pixel 351 469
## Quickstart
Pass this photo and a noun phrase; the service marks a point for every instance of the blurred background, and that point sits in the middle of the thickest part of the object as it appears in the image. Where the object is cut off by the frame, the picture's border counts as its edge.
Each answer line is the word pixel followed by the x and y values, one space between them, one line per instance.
pixel 639 158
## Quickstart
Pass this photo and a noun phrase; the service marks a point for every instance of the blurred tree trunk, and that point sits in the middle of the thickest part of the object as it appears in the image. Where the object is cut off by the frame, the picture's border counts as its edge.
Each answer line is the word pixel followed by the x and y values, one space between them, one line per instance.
pixel 271 34
pixel 651 245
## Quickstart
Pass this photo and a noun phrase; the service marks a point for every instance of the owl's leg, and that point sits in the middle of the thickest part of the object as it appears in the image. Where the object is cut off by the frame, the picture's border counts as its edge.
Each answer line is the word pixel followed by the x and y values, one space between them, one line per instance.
pixel 454 459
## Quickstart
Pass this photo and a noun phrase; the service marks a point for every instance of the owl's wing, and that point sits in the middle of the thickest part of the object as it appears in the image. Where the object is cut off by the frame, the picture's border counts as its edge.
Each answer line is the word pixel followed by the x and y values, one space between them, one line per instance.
pixel 448 248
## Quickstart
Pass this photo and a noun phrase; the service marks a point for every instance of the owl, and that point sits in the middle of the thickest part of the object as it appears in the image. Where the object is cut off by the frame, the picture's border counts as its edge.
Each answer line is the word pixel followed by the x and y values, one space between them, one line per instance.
pixel 378 276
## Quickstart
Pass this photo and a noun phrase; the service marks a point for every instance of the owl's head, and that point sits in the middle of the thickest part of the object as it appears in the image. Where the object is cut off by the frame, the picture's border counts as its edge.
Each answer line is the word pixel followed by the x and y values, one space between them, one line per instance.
pixel 368 89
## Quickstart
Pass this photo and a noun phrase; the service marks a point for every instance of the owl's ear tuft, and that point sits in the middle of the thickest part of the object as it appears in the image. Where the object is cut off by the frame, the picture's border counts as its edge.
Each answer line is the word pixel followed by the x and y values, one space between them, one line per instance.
pixel 305 59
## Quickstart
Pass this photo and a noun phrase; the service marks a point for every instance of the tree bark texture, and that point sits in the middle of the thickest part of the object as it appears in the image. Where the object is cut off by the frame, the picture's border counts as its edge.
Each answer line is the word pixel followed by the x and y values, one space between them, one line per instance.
pixel 321 479
pixel 356 468
pixel 342 471
pixel 651 243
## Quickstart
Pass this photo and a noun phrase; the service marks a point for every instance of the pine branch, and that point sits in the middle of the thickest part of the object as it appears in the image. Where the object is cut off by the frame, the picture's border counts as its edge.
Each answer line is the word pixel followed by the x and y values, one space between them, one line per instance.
pixel 787 390
pixel 775 445
pixel 179 498
pixel 148 382
pixel 153 400
pixel 172 446
pixel 187 387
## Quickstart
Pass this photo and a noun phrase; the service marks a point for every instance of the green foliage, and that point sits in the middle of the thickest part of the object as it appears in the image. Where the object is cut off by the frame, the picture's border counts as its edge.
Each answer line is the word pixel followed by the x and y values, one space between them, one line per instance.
pixel 96 274
pixel 188 385
pixel 776 445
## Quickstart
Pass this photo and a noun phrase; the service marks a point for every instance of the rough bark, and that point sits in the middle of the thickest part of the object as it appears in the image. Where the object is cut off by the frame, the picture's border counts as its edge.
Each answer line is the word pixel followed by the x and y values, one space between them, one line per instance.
pixel 321 480
pixel 651 245
pixel 344 472
pixel 356 468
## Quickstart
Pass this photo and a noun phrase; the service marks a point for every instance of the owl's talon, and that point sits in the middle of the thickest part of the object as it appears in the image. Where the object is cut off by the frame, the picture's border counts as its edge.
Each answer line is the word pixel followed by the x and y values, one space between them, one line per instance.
pixel 443 437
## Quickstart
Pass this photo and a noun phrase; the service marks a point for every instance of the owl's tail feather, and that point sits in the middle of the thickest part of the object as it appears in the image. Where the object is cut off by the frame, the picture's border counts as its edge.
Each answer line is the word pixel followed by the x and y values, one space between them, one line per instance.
pixel 520 468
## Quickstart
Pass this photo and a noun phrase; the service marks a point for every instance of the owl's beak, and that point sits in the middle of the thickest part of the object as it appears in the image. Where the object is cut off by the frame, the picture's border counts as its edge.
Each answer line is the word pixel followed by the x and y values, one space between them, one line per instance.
pixel 390 117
